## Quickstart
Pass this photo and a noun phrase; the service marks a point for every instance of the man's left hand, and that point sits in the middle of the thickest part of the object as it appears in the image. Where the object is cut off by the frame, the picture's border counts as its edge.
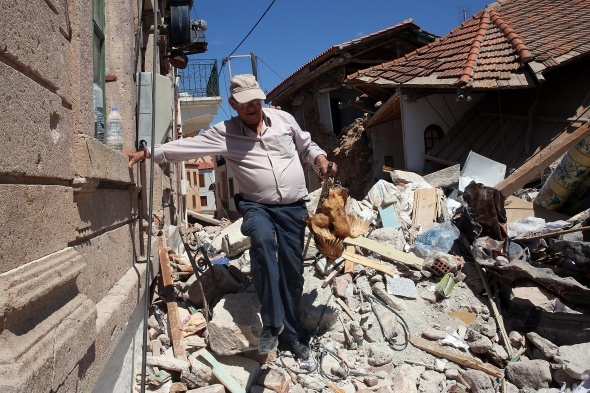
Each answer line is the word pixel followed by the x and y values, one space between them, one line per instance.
pixel 326 168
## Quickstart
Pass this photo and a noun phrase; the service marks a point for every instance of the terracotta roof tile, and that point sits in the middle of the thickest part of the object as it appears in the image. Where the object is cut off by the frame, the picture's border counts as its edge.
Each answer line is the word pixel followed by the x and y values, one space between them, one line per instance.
pixel 495 44
pixel 341 49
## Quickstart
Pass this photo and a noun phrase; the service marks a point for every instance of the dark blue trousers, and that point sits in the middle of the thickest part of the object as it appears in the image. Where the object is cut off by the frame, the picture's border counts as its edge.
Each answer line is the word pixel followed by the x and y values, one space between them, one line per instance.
pixel 276 256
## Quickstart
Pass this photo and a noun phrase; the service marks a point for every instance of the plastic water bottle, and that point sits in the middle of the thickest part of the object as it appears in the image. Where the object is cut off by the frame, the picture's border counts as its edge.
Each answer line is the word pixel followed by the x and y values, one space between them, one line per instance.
pixel 98 112
pixel 114 134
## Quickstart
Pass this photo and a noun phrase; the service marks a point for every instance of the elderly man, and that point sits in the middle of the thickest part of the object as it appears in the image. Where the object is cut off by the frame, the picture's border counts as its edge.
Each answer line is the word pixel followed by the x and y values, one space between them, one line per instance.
pixel 265 148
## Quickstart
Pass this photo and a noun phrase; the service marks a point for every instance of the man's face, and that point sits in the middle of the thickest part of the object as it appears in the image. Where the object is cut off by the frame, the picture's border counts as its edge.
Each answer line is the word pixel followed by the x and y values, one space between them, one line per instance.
pixel 250 112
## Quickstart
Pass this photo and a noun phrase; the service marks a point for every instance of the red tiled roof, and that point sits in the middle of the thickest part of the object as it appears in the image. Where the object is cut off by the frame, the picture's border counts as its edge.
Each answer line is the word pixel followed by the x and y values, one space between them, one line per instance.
pixel 332 51
pixel 205 165
pixel 491 49
pixel 199 163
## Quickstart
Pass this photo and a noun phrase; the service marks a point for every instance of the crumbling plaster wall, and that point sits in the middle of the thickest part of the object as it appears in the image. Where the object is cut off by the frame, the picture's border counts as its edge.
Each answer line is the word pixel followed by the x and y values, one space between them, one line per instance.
pixel 440 109
pixel 68 273
pixel 387 141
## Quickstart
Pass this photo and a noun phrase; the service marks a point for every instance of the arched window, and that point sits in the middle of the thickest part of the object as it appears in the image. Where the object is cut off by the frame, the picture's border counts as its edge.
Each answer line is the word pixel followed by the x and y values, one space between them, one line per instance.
pixel 432 134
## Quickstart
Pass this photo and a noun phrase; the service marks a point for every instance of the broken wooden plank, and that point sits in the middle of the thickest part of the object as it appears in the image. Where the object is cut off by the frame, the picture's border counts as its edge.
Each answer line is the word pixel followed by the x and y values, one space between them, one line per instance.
pixel 532 168
pixel 347 335
pixel 553 234
pixel 425 207
pixel 517 209
pixel 333 387
pixel 349 265
pixel 231 384
pixel 499 318
pixel 457 357
pixel 345 307
pixel 370 263
pixel 332 275
pixel 173 317
pixel 386 251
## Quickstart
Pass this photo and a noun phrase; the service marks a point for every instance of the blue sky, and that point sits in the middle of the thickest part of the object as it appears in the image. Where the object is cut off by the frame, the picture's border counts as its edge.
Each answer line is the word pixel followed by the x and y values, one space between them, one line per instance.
pixel 294 32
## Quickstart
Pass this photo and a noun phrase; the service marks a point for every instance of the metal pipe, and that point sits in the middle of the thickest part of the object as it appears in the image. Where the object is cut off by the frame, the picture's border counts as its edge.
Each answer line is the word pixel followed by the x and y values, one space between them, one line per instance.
pixel 151 204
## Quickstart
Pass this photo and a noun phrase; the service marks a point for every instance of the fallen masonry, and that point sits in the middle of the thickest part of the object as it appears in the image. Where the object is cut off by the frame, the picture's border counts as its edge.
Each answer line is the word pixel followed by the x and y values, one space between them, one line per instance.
pixel 430 291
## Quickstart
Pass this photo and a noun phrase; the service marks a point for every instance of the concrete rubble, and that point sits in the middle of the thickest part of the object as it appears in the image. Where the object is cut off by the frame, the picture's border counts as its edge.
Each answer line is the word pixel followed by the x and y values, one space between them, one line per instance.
pixel 426 300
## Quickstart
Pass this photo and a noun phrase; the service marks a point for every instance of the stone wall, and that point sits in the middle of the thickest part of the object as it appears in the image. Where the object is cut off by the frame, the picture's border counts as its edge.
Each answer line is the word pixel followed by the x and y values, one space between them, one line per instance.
pixel 69 277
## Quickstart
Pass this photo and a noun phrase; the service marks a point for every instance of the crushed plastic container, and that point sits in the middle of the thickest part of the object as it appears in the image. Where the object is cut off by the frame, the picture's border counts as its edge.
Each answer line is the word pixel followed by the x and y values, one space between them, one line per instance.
pixel 114 134
pixel 439 238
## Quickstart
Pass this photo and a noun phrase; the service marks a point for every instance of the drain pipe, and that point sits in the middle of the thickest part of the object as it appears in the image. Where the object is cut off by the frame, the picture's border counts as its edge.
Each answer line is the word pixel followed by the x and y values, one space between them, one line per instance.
pixel 151 203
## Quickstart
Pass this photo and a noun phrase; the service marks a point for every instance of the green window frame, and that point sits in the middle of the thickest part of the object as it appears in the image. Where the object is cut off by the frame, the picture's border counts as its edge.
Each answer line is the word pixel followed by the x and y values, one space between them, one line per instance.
pixel 98 45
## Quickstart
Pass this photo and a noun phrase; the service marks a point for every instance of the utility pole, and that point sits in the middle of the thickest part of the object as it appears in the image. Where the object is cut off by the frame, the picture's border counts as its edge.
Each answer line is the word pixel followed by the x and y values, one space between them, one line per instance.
pixel 254 68
pixel 252 57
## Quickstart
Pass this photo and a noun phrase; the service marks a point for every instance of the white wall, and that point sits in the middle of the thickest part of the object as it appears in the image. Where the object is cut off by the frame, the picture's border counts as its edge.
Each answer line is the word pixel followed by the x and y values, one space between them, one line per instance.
pixel 387 141
pixel 439 109
pixel 209 175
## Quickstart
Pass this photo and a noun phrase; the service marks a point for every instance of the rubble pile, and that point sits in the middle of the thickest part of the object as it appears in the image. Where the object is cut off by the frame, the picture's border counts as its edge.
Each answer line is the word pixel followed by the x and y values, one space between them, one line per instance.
pixel 445 291
pixel 355 147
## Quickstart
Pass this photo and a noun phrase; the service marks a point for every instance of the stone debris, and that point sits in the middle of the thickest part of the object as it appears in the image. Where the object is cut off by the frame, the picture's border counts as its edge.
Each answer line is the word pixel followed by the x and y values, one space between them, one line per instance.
pixel 497 312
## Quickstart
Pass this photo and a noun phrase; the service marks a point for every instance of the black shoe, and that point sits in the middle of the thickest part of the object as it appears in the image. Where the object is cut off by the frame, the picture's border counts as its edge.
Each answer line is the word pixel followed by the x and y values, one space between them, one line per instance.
pixel 299 349
pixel 269 339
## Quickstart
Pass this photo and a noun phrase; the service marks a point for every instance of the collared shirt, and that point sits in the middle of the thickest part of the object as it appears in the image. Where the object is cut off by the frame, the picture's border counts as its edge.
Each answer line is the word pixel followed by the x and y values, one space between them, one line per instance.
pixel 267 167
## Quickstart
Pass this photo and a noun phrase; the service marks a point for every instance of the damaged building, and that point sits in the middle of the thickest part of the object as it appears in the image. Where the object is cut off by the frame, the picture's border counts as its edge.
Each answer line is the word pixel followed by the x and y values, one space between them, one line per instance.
pixel 441 275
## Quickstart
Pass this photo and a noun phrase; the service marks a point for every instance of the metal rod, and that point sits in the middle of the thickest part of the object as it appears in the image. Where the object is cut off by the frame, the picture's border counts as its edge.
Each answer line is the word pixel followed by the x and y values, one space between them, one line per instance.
pixel 151 205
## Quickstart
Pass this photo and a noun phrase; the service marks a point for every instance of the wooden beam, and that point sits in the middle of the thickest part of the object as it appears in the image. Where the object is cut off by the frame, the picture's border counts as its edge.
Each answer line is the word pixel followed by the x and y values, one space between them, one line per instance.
pixel 386 251
pixel 349 265
pixel 440 160
pixel 173 316
pixel 387 269
pixel 332 275
pixel 530 170
pixel 455 356
pixel 345 307
pixel 537 118
pixel 499 318
pixel 425 206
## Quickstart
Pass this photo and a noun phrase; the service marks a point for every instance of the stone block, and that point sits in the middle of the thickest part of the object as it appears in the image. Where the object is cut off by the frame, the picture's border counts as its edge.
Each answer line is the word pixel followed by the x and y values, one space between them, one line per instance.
pixel 215 388
pixel 48 327
pixel 108 257
pixel 116 208
pixel 37 142
pixel 95 160
pixel 445 178
pixel 236 324
pixel 113 312
pixel 273 379
pixel 245 371
pixel 27 288
pixel 37 220
pixel 38 42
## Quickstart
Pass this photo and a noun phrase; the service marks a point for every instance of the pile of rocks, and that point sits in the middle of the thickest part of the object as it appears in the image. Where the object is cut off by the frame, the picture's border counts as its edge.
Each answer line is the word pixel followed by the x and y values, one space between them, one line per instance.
pixel 377 323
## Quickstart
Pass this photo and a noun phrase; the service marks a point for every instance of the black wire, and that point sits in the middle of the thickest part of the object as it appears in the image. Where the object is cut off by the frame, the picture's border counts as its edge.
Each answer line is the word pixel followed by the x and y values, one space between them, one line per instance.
pixel 401 320
pixel 448 125
pixel 247 35
pixel 258 58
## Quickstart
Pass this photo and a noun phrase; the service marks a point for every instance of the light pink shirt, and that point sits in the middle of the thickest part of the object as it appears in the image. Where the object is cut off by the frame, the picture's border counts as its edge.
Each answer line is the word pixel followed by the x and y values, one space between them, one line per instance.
pixel 266 167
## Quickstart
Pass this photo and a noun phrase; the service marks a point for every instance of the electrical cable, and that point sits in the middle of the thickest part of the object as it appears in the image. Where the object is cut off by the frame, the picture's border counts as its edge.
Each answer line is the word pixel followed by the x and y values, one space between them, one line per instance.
pixel 258 58
pixel 448 125
pixel 247 35
pixel 151 207
pixel 400 319
pixel 319 352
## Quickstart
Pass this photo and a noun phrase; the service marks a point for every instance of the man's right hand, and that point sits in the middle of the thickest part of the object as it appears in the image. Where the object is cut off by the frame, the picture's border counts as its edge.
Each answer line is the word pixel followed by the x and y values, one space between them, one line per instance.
pixel 136 156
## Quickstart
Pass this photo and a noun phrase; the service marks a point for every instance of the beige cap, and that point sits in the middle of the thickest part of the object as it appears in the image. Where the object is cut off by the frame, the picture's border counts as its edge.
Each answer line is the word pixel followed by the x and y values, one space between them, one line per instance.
pixel 244 88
